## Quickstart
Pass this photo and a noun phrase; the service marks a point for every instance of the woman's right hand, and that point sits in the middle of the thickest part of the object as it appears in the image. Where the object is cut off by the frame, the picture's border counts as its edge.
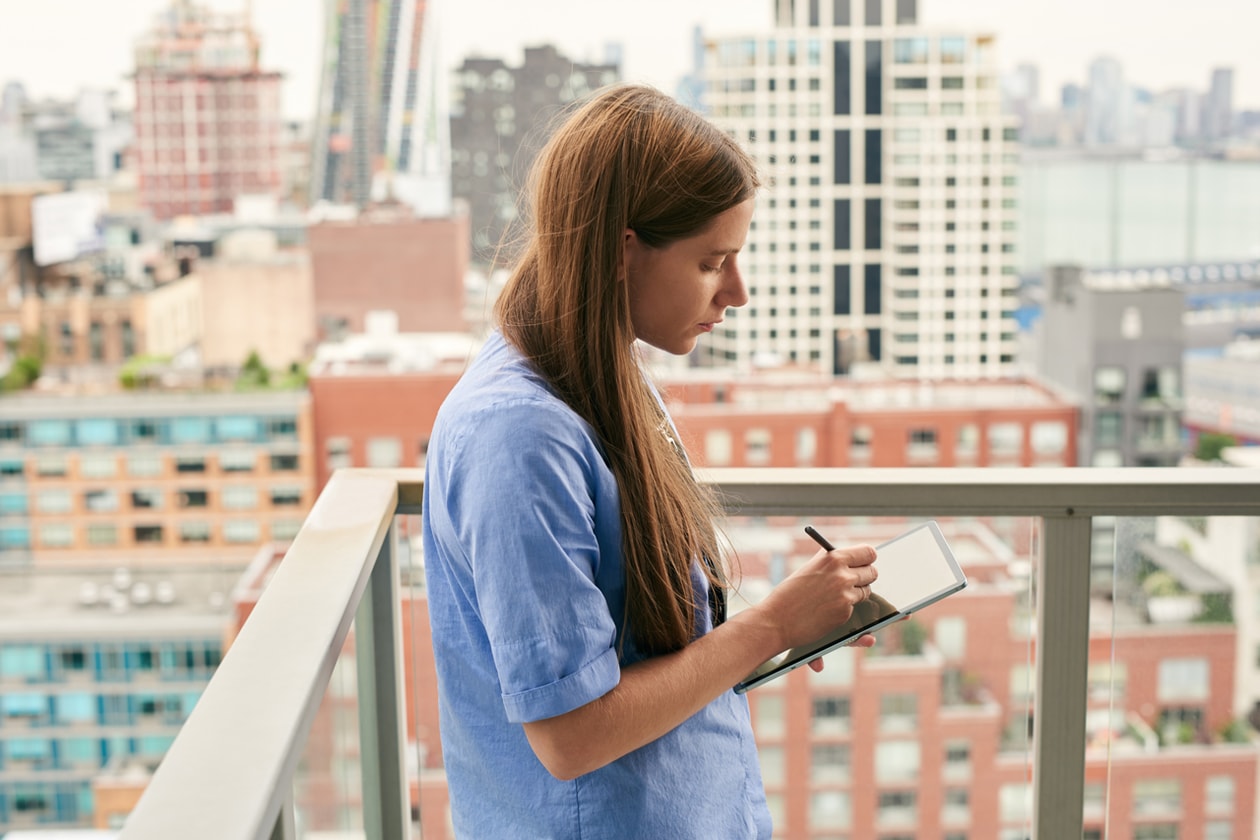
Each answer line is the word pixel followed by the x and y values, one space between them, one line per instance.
pixel 821 594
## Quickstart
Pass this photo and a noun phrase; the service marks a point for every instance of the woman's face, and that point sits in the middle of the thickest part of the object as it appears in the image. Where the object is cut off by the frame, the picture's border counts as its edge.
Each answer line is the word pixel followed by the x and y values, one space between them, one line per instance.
pixel 681 291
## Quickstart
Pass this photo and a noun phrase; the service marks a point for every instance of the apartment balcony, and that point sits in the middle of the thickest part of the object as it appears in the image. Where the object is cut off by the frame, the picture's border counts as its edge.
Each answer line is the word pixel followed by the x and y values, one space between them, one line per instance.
pixel 232 770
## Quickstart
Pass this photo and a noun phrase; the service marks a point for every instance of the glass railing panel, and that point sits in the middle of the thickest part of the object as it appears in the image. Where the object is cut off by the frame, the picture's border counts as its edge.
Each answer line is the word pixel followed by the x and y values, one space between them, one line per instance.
pixel 928 732
pixel 327 786
pixel 426 775
pixel 1171 750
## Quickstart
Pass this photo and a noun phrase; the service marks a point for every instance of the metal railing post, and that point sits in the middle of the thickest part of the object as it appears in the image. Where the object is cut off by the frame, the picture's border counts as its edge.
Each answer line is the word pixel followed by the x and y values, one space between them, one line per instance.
pixel 382 721
pixel 286 824
pixel 1062 673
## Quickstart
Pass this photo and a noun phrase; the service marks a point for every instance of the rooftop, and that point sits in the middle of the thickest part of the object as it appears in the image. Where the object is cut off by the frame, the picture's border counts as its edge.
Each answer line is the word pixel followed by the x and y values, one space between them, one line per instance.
pixel 122 603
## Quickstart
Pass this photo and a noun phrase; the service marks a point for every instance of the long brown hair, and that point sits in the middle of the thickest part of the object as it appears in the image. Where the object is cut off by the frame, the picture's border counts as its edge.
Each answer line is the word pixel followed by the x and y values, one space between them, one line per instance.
pixel 631 158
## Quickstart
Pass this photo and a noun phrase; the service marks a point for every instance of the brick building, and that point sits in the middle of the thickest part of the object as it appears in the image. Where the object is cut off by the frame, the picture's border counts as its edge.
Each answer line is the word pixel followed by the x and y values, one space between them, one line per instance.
pixel 148 479
pixel 389 260
pixel 207 116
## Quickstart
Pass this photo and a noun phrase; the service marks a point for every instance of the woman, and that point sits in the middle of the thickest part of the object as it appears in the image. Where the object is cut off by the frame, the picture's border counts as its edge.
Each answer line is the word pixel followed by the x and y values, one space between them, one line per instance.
pixel 585 690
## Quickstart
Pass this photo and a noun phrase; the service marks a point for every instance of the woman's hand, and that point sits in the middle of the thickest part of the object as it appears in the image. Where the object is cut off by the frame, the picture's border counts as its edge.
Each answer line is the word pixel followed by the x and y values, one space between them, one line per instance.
pixel 820 596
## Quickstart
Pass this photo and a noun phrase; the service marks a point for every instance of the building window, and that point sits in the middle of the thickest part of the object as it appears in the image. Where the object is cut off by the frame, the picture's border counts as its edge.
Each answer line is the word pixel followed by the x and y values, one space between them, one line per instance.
pixel 237 460
pixel 239 497
pixel 830 809
pixel 101 501
pixel 1220 794
pixel 767 710
pixel 190 430
pixel 238 428
pixel 922 444
pixel 1161 386
pixel 874 80
pixel 841 157
pixel 953 50
pixel 51 464
pixel 193 498
pixel 1049 438
pixel 1006 440
pixel 1218 830
pixel 98 465
pixel 241 531
pixel 717 448
pixel 190 464
pixel 950 635
pixel 54 501
pixel 957 805
pixel 144 464
pixel 102 534
pixel 285 529
pixel 910 51
pixel 284 463
pixel 1107 681
pixel 830 715
pixel 338 452
pixel 1108 428
pixel 806 447
pixel 146 499
pixel 841 225
pixel 56 535
pixel 384 452
pixel 898 807
pixel 1109 385
pixel 896 761
pixel 194 532
pixel 1183 680
pixel 957 757
pixel 147 534
pixel 1156 796
pixel 772 765
pixel 1015 803
pixel 830 763
pixel 1107 458
pixel 286 496
pixel 843 67
pixel 898 712
pixel 757 447
pixel 860 441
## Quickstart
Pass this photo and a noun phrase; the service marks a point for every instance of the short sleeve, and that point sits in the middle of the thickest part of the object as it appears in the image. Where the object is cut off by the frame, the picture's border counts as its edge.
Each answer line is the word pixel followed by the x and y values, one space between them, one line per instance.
pixel 520 488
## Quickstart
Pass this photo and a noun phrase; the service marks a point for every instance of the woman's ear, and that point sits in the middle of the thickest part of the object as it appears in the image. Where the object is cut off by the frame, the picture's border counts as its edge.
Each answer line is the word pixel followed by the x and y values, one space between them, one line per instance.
pixel 630 246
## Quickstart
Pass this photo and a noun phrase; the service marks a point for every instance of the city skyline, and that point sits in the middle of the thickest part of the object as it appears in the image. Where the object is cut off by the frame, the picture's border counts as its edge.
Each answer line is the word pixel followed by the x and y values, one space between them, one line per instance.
pixel 1062 41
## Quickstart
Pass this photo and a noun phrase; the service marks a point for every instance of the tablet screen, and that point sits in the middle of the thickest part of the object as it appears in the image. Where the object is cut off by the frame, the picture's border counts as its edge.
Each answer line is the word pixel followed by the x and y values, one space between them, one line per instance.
pixel 915 569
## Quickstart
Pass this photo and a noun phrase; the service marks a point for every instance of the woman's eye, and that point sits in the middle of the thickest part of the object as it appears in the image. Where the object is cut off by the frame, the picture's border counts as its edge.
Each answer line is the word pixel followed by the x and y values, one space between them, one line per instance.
pixel 711 267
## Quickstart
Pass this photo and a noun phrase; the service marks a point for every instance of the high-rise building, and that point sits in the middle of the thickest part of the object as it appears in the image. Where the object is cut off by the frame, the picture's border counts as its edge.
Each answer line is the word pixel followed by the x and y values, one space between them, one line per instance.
pixel 1108 104
pixel 886 230
pixel 1218 112
pixel 381 126
pixel 1118 350
pixel 499 121
pixel 207 116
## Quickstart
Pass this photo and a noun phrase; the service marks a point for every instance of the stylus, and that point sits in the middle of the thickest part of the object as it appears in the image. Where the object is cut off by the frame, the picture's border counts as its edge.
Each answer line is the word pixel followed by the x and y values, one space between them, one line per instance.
pixel 819 538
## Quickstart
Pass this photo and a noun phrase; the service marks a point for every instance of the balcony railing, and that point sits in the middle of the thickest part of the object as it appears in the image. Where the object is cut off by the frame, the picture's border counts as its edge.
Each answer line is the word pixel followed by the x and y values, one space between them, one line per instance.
pixel 230 772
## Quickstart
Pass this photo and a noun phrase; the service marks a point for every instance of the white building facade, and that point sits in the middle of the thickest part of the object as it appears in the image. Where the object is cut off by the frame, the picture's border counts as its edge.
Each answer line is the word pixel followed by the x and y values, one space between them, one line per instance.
pixel 885 232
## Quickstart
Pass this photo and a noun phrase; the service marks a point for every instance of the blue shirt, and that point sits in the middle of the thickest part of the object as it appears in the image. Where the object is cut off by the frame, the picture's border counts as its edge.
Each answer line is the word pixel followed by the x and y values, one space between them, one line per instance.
pixel 523 566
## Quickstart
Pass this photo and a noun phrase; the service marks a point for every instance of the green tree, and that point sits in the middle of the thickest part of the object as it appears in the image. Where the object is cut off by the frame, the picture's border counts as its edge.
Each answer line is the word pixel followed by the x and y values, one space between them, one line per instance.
pixel 254 373
pixel 1210 445
pixel 22 374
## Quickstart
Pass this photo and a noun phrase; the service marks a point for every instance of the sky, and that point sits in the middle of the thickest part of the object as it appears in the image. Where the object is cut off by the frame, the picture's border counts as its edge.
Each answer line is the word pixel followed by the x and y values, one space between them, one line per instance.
pixel 57 47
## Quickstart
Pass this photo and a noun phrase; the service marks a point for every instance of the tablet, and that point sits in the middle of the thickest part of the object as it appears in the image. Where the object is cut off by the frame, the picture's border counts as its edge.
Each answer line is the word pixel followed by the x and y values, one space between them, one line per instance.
pixel 916 568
